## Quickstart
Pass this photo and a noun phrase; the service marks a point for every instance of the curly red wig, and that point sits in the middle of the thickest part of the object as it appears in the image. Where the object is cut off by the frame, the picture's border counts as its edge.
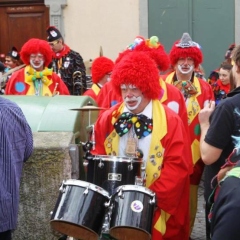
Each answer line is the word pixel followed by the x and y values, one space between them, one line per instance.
pixel 178 52
pixel 100 67
pixel 139 69
pixel 34 46
pixel 158 54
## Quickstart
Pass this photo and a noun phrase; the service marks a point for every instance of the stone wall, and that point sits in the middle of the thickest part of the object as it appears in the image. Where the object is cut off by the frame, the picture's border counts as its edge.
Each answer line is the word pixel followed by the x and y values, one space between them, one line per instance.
pixel 42 176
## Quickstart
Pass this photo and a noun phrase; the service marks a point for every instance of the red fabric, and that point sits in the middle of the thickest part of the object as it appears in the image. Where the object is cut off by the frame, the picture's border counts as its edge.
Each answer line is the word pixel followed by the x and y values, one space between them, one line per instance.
pixel 194 129
pixel 225 88
pixel 172 187
pixel 91 94
pixel 107 97
pixel 61 53
pixel 175 96
pixel 18 78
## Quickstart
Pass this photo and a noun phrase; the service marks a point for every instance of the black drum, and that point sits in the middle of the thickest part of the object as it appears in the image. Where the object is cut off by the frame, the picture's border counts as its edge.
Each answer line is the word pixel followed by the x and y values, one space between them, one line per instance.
pixel 132 213
pixel 79 211
pixel 109 172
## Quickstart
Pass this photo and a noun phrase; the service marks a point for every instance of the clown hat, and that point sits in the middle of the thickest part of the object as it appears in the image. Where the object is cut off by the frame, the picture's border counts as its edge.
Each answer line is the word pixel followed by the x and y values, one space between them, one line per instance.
pixel 137 68
pixel 14 54
pixel 53 34
pixel 100 67
pixel 185 48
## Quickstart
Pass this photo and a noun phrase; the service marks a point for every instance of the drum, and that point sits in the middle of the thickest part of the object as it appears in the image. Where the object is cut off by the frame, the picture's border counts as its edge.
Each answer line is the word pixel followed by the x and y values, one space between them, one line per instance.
pixel 132 213
pixel 79 211
pixel 109 172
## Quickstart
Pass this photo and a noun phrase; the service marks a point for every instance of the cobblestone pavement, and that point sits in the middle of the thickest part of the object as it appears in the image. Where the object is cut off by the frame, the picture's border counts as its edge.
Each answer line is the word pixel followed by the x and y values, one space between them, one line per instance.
pixel 199 230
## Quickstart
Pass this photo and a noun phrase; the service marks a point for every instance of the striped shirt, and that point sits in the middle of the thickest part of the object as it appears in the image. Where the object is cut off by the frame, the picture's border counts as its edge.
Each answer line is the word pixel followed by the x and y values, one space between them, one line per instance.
pixel 16 146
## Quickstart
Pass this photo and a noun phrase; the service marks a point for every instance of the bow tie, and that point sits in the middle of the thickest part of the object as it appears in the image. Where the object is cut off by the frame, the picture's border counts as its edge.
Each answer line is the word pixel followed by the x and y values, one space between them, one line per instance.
pixel 33 75
pixel 142 125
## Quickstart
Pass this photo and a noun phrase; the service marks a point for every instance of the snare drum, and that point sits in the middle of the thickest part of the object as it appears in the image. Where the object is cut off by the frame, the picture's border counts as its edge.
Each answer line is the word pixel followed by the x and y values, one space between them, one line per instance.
pixel 109 172
pixel 79 211
pixel 132 213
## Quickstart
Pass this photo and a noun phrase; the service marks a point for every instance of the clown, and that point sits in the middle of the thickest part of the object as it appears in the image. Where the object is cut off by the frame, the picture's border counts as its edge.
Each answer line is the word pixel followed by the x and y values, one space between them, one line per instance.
pixel 155 131
pixel 35 79
pixel 101 72
pixel 185 56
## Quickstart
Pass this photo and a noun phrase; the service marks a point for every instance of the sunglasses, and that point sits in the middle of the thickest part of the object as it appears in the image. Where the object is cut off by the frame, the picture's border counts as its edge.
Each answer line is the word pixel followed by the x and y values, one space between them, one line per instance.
pixel 53 43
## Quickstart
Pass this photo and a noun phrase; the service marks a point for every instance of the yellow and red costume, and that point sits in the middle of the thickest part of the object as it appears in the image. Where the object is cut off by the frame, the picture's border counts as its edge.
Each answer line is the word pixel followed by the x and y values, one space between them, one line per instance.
pixel 101 66
pixel 197 93
pixel 165 149
pixel 21 83
pixel 28 81
pixel 169 178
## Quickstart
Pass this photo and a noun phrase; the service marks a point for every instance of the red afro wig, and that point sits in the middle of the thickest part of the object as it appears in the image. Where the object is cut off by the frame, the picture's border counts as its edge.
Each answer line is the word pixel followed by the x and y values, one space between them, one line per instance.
pixel 34 46
pixel 100 67
pixel 184 52
pixel 156 52
pixel 140 70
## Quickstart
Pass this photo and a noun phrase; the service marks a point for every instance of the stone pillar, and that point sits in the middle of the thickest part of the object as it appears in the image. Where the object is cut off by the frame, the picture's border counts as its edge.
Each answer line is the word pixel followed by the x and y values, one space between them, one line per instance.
pixel 42 176
pixel 55 11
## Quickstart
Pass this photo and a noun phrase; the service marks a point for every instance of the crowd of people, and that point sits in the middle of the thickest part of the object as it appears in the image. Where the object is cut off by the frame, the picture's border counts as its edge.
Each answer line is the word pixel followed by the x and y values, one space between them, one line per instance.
pixel 159 106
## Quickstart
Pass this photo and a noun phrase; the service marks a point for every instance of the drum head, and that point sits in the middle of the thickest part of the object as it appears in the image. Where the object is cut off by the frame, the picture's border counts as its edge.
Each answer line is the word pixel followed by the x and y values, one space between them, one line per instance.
pixel 73 230
pixel 125 232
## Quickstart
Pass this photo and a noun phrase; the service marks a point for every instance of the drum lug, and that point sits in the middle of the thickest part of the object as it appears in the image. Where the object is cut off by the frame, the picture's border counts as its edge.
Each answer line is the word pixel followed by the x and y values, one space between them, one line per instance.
pixel 85 163
pixel 107 204
pixel 62 188
pixel 86 191
pixel 120 193
pixel 152 201
pixel 130 167
pixel 101 164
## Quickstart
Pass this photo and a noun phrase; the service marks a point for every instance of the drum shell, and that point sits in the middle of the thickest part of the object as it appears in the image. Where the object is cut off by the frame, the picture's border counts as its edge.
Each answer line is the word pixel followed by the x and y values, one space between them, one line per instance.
pixel 125 219
pixel 115 172
pixel 78 214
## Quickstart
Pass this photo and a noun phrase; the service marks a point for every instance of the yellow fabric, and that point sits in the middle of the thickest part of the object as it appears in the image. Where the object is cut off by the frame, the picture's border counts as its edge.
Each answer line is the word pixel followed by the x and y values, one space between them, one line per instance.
pixel 30 73
pixel 153 168
pixel 96 89
pixel 193 106
pixel 195 148
pixel 160 225
pixel 193 204
pixel 156 150
pixel 164 88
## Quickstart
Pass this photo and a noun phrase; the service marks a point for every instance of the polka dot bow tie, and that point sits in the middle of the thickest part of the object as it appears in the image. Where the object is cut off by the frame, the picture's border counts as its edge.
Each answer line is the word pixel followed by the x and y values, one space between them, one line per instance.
pixel 142 125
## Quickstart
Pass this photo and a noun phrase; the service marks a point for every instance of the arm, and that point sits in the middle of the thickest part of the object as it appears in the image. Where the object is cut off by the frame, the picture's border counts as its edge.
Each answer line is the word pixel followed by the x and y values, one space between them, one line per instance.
pixel 209 153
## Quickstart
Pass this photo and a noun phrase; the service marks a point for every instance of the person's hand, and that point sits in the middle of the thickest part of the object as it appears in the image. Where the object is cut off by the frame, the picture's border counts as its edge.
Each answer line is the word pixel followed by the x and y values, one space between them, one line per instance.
pixel 205 113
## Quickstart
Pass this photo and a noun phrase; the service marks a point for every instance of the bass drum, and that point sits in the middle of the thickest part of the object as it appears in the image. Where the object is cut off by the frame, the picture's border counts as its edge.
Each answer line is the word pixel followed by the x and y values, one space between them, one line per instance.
pixel 110 172
pixel 79 211
pixel 132 213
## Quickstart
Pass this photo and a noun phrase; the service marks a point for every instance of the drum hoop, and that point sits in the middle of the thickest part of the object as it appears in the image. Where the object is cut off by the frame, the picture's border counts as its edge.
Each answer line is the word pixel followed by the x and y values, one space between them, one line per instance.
pixel 135 188
pixel 95 188
pixel 117 158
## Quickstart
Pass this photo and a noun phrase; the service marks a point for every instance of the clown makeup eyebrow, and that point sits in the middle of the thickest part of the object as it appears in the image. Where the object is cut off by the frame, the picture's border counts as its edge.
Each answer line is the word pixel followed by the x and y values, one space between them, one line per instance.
pixel 130 86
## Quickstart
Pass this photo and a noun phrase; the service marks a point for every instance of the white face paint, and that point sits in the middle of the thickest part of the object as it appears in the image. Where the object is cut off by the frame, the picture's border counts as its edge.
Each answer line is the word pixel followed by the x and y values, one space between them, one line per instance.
pixel 182 66
pixel 36 65
pixel 127 101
